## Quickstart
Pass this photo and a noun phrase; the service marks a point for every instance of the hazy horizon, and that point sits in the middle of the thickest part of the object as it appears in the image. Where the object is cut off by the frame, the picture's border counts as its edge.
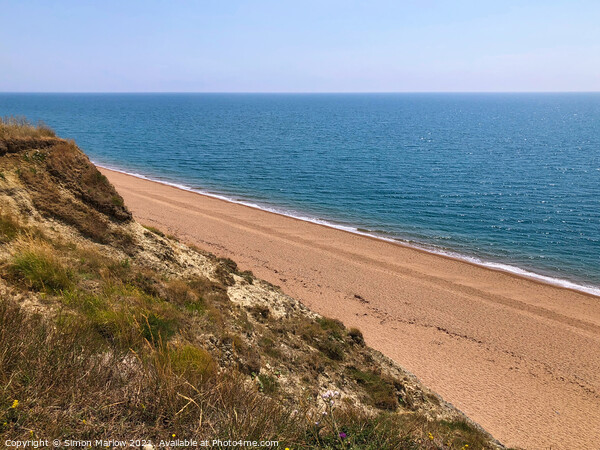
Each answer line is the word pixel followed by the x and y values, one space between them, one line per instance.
pixel 301 93
pixel 300 47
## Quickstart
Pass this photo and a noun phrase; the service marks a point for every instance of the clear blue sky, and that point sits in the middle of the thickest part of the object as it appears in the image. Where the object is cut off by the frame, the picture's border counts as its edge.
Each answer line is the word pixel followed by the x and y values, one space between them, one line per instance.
pixel 299 46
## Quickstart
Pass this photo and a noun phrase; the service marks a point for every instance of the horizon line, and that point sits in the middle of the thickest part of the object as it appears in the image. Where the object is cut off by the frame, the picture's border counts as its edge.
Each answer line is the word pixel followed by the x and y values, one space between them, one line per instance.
pixel 300 92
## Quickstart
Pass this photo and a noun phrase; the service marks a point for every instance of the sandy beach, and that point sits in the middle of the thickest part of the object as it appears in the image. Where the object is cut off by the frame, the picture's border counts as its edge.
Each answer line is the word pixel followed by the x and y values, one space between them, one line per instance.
pixel 520 357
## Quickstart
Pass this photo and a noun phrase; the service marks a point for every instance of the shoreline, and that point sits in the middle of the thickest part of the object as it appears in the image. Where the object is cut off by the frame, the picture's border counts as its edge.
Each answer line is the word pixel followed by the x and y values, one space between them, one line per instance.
pixel 518 356
pixel 591 290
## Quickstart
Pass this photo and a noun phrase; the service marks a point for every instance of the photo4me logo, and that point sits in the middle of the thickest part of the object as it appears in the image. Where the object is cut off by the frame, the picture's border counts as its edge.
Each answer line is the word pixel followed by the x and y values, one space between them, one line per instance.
pixel 232 443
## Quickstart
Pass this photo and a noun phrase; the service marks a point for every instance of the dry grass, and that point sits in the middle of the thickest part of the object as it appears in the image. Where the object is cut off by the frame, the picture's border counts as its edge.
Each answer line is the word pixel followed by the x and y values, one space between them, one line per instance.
pixel 9 227
pixel 12 127
pixel 84 388
pixel 64 185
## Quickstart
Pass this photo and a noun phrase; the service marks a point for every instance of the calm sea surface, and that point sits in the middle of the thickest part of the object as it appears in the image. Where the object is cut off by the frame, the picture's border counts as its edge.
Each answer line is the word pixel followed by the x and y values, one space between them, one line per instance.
pixel 511 180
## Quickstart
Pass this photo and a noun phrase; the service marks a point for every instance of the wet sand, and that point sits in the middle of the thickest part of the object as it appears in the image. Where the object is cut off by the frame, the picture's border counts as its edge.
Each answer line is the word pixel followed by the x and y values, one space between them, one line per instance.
pixel 519 357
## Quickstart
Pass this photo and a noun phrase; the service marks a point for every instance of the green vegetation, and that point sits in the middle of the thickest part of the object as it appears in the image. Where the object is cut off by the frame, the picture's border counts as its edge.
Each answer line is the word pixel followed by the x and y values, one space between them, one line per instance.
pixel 36 264
pixel 327 335
pixel 381 392
pixel 154 230
pixel 157 329
pixel 267 384
pixel 193 363
pixel 124 347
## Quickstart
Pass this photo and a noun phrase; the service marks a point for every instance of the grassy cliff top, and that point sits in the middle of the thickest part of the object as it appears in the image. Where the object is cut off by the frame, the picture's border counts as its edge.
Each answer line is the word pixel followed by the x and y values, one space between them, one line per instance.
pixel 109 329
pixel 19 128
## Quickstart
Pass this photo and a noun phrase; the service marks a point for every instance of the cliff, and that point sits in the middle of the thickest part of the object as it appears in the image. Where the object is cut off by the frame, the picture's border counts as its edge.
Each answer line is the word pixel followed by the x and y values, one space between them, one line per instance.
pixel 112 330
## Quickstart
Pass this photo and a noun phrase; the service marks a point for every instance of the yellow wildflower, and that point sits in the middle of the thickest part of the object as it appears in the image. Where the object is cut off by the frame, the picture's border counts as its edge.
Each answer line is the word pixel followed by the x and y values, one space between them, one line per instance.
pixel 15 404
pixel 430 437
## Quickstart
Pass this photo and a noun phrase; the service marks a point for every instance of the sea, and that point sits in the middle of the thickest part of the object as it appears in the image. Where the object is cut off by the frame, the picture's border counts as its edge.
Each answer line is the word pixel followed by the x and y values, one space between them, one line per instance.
pixel 510 181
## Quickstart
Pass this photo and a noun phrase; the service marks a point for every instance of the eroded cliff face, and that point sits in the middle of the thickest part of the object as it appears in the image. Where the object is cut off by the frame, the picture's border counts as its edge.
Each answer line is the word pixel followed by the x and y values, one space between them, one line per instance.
pixel 154 338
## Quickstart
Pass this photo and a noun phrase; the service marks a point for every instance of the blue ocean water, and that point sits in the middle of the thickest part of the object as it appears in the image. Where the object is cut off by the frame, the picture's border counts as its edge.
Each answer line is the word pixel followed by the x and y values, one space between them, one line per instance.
pixel 510 180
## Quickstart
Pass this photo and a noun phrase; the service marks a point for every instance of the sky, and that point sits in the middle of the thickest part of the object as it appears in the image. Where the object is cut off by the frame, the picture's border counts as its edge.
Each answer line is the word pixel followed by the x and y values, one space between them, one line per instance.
pixel 299 46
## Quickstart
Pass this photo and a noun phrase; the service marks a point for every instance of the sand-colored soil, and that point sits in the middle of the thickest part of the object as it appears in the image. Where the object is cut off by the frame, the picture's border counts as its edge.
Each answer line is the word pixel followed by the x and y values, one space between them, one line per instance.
pixel 520 357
